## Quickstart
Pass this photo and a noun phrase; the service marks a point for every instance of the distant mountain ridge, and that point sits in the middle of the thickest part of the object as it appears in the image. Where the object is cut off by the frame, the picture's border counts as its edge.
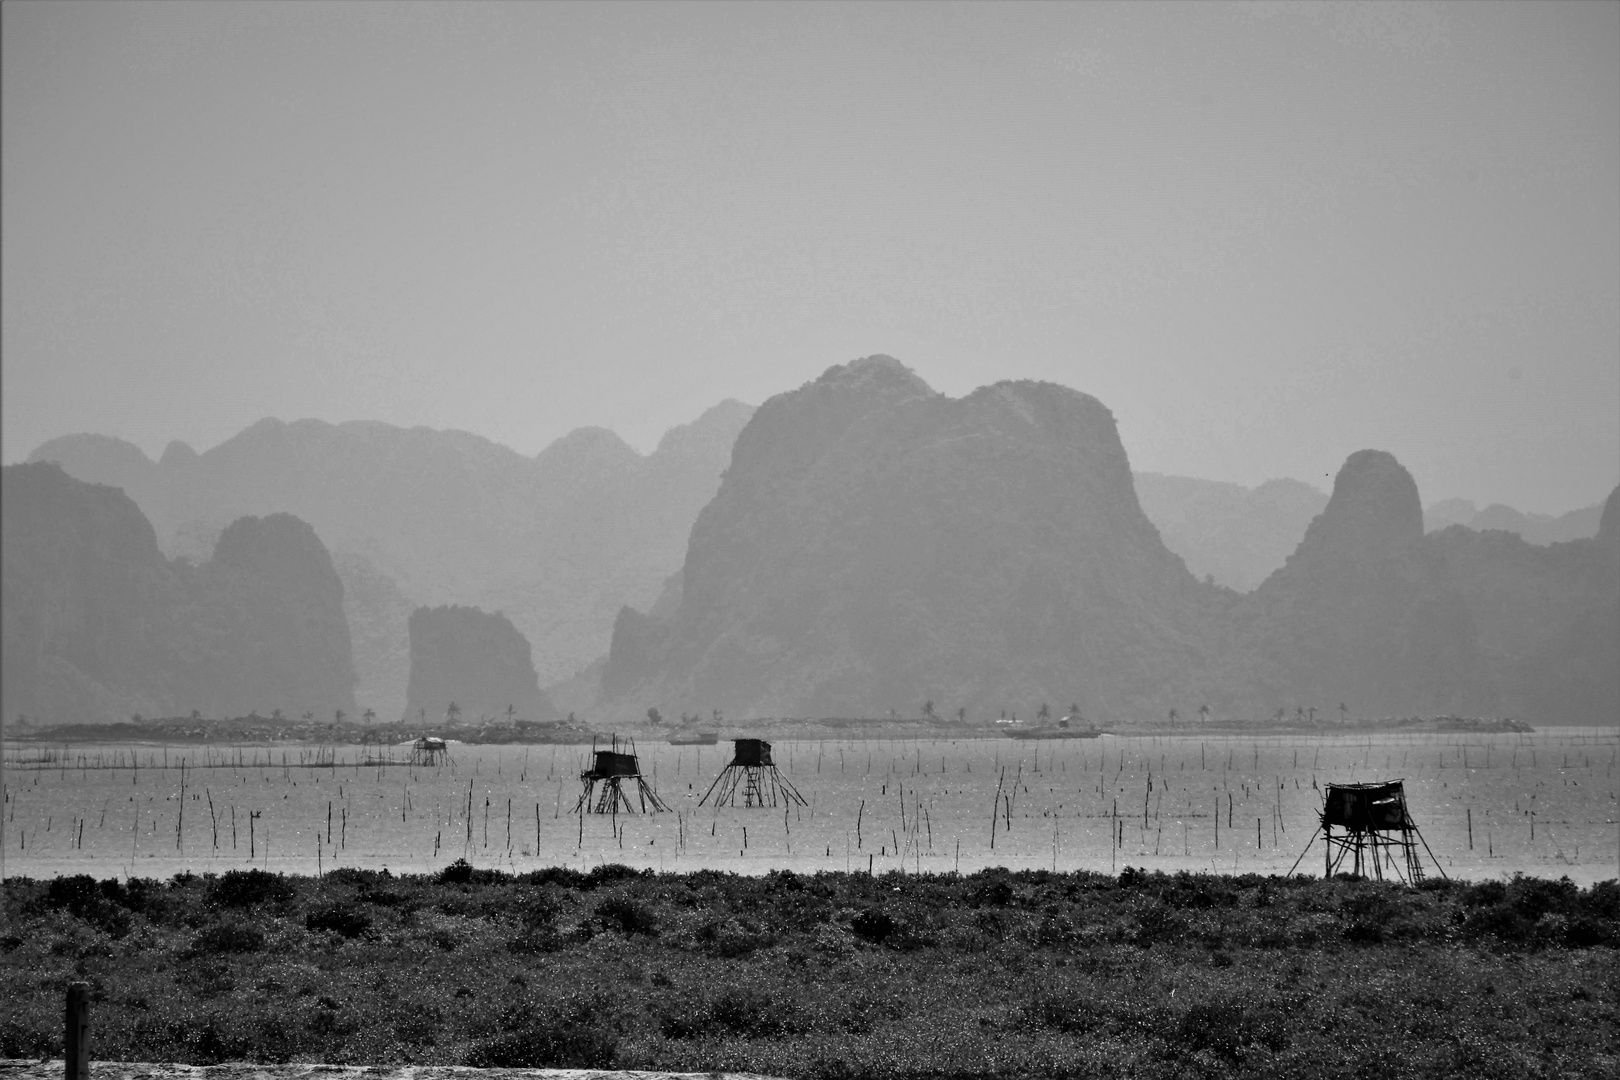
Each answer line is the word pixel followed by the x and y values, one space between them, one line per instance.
pixel 559 541
pixel 876 545
pixel 1533 528
pixel 872 544
pixel 99 625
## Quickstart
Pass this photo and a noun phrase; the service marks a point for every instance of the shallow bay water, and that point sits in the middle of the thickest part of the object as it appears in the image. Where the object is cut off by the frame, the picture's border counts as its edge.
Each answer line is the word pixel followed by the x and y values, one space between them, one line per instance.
pixel 1488 806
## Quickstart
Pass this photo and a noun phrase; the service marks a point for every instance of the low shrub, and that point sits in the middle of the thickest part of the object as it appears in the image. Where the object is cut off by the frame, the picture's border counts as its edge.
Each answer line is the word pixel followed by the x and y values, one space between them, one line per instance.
pixel 628 915
pixel 248 888
pixel 459 872
pixel 1223 1027
pixel 228 937
pixel 338 919
pixel 556 1046
pixel 608 873
pixel 100 904
pixel 873 925
pixel 576 1033
pixel 748 1012
pixel 734 938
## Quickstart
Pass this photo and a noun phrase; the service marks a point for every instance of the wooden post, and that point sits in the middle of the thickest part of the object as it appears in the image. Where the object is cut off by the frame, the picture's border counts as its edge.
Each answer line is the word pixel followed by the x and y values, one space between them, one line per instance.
pixel 76 1031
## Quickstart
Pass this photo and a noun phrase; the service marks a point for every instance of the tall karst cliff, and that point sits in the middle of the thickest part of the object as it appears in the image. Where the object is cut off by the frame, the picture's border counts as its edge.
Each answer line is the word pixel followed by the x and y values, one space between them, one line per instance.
pixel 267 624
pixel 876 544
pixel 99 625
pixel 90 608
pixel 1362 614
pixel 477 661
pixel 559 540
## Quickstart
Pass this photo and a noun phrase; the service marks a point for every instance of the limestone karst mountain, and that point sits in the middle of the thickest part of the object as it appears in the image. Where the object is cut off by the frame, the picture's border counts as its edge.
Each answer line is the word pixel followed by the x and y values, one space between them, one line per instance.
pixel 1361 614
pixel 1232 534
pixel 559 540
pixel 875 544
pixel 266 624
pixel 473 663
pixel 99 625
pixel 89 605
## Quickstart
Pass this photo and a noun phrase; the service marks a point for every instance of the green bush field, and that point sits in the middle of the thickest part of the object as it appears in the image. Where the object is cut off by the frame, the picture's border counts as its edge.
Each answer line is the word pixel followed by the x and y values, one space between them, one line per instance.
pixel 994 974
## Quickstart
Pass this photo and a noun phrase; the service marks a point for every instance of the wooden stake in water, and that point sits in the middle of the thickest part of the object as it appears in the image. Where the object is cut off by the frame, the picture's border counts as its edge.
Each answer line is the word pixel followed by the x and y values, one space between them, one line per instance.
pixel 76 1032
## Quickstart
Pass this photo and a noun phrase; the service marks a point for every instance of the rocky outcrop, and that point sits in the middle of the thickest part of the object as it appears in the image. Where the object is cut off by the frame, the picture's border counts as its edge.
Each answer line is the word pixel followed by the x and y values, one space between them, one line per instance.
pixel 876 544
pixel 90 607
pixel 98 625
pixel 268 625
pixel 475 660
pixel 1361 614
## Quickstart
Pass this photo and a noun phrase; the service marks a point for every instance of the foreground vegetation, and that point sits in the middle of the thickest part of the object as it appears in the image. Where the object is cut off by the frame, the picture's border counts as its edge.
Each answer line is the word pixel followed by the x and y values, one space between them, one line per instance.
pixel 837 975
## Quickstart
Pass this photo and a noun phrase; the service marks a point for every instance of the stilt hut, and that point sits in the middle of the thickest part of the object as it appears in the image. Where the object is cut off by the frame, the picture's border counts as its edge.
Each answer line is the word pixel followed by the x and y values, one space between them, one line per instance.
pixel 752 769
pixel 1375 832
pixel 429 751
pixel 613 768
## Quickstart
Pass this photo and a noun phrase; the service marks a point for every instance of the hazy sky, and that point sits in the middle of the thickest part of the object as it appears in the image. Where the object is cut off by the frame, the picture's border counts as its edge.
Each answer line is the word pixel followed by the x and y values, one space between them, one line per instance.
pixel 1266 235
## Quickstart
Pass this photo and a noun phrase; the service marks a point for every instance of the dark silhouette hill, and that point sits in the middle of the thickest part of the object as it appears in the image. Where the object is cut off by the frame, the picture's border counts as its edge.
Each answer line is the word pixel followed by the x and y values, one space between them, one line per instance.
pixel 90 607
pixel 559 540
pixel 876 544
pixel 477 661
pixel 1362 614
pixel 98 625
pixel 1548 617
pixel 266 624
pixel 1531 527
pixel 1229 533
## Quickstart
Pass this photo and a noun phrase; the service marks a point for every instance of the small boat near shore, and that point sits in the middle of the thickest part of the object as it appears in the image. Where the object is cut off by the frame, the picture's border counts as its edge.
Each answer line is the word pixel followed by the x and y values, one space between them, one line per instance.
pixel 696 738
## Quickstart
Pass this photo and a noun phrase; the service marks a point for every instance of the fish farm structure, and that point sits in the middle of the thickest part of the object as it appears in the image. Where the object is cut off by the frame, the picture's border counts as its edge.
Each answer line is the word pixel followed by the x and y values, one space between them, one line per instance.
pixel 615 769
pixel 1375 832
pixel 752 769
pixel 429 751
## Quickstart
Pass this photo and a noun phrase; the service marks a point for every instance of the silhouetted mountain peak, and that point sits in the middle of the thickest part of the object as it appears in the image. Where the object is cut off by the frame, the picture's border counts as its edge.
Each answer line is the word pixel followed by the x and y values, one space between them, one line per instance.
pixel 1051 409
pixel 1609 524
pixel 875 372
pixel 178 453
pixel 98 624
pixel 591 448
pixel 96 459
pixel 279 547
pixel 1374 507
pixel 715 430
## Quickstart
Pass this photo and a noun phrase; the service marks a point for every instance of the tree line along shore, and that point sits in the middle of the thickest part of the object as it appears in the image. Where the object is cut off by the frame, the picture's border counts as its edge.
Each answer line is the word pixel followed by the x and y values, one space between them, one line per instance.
pixel 258 729
pixel 995 974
